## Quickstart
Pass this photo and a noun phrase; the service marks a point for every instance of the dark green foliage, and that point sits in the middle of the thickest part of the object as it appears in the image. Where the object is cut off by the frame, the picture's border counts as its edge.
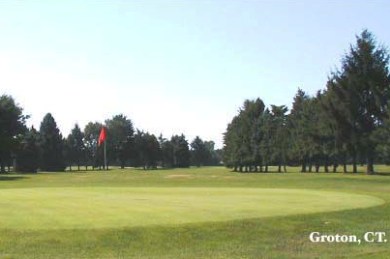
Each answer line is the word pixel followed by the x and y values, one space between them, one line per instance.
pixel 246 137
pixel 166 148
pixel 12 123
pixel 75 147
pixel 346 123
pixel 147 150
pixel 199 152
pixel 214 157
pixel 120 133
pixel 180 150
pixel 279 135
pixel 203 153
pixel 361 91
pixel 27 160
pixel 51 146
pixel 93 153
pixel 299 123
pixel 174 152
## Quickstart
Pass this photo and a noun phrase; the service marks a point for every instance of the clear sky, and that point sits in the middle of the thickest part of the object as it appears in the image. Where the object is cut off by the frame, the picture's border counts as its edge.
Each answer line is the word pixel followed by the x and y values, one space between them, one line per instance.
pixel 173 67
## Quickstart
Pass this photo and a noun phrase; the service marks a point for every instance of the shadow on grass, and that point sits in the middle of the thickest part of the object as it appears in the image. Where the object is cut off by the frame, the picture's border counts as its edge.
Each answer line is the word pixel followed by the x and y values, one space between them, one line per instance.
pixel 11 178
pixel 382 174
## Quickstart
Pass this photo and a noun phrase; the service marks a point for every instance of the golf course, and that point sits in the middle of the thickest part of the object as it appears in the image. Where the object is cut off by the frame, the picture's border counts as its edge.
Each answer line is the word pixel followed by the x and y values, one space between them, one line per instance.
pixel 194 129
pixel 190 213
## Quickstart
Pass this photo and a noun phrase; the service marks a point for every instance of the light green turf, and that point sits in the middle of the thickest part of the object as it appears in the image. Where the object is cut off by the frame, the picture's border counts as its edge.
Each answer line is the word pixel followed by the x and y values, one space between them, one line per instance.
pixel 115 207
pixel 256 237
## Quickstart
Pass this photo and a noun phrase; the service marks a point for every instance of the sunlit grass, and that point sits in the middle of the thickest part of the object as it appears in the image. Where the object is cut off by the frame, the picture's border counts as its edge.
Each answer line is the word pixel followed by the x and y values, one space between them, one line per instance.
pixel 93 215
pixel 115 207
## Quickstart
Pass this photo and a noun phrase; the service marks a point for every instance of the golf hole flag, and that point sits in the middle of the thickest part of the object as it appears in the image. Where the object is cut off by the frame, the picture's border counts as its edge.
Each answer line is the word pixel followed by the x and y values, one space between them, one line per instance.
pixel 102 136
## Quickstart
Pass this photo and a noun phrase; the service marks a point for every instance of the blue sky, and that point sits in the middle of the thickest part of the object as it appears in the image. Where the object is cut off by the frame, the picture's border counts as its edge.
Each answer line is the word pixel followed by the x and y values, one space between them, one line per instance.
pixel 173 66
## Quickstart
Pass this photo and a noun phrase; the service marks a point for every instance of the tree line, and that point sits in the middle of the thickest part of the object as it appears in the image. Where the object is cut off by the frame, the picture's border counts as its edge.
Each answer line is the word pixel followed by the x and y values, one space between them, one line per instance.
pixel 29 150
pixel 348 122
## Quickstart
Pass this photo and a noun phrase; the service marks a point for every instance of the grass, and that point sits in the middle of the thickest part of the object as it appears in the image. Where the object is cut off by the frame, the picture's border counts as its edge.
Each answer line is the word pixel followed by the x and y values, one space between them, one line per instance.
pixel 118 207
pixel 190 213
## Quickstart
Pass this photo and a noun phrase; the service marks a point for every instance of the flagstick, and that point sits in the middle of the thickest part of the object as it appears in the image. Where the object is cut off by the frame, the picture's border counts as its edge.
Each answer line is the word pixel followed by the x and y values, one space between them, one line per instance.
pixel 105 156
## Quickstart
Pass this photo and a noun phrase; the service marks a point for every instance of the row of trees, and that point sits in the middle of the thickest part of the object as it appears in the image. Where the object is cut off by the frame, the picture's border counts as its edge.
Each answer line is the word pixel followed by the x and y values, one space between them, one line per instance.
pixel 29 150
pixel 347 122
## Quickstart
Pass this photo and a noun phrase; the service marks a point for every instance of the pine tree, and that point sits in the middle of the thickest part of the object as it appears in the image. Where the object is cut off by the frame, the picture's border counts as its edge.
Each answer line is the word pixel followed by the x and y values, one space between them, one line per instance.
pixel 27 160
pixel 362 91
pixel 51 145
pixel 279 135
pixel 167 150
pixel 181 151
pixel 199 152
pixel 93 154
pixel 120 133
pixel 299 122
pixel 76 148
pixel 12 123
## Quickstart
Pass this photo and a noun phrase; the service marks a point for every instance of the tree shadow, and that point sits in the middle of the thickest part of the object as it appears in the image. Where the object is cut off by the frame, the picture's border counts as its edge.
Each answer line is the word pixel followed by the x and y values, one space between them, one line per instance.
pixel 382 174
pixel 11 178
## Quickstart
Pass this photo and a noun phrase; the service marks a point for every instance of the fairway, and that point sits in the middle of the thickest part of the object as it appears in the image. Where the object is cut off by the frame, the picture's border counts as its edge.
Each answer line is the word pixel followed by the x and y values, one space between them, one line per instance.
pixel 207 212
pixel 118 207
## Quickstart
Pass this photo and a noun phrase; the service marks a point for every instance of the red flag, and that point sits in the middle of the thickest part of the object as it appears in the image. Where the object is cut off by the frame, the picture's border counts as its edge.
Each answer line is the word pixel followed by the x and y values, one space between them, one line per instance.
pixel 102 136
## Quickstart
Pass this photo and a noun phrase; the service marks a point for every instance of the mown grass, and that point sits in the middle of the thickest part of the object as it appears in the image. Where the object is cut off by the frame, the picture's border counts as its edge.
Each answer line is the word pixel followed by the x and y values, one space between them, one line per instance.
pixel 280 236
pixel 119 207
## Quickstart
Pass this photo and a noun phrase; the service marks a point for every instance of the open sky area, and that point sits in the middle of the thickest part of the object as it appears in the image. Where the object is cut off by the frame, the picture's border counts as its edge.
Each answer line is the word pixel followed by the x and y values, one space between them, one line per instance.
pixel 173 66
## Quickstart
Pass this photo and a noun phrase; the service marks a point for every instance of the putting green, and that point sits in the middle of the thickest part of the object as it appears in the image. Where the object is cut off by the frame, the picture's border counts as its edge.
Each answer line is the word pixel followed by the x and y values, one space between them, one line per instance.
pixel 110 207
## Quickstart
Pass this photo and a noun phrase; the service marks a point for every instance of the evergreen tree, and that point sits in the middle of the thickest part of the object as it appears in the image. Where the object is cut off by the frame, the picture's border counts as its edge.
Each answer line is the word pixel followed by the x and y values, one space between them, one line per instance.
pixel 167 152
pixel 51 145
pixel 212 156
pixel 27 160
pixel 199 153
pixel 266 140
pixel 93 153
pixel 12 123
pixel 299 122
pixel 382 137
pixel 362 92
pixel 120 133
pixel 279 135
pixel 243 138
pixel 181 152
pixel 76 148
pixel 147 150
pixel 231 150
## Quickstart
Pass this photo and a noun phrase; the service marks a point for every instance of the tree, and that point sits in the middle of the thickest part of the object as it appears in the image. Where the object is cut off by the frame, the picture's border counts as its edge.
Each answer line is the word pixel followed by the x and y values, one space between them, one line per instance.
pixel 76 148
pixel 251 128
pixel 362 91
pixel 12 123
pixel 51 145
pixel 181 152
pixel 279 135
pixel 153 150
pixel 27 160
pixel 265 143
pixel 147 150
pixel 199 153
pixel 322 134
pixel 120 133
pixel 93 155
pixel 299 121
pixel 212 155
pixel 231 139
pixel 382 137
pixel 243 138
pixel 166 148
